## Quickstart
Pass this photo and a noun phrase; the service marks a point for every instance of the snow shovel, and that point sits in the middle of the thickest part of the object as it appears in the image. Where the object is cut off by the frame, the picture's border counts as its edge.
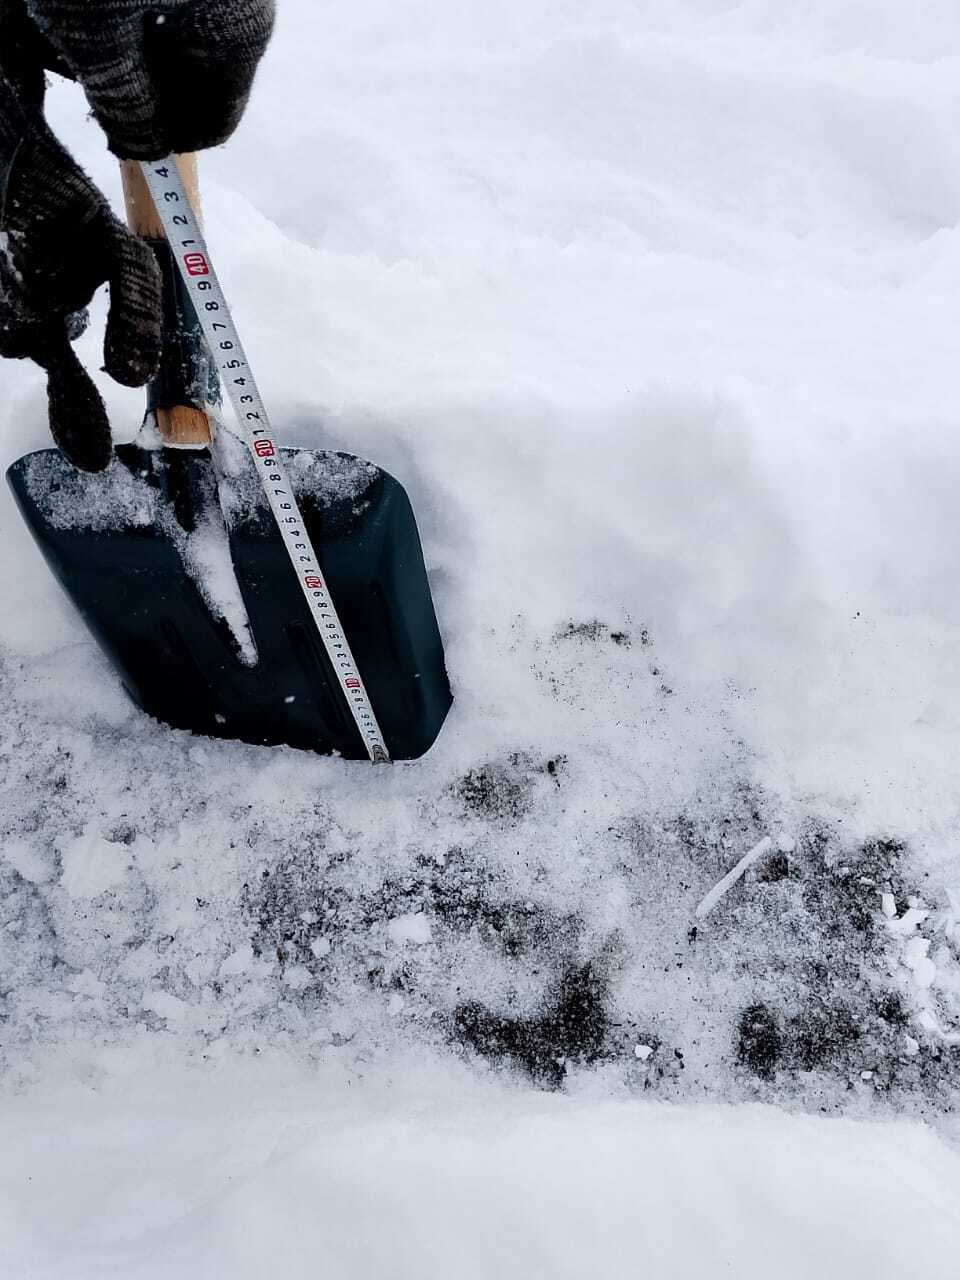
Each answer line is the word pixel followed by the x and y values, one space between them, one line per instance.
pixel 266 594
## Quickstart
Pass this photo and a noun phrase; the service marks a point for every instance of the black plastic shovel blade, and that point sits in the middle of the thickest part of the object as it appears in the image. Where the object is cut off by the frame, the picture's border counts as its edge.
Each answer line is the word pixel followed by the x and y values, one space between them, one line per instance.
pixel 145 550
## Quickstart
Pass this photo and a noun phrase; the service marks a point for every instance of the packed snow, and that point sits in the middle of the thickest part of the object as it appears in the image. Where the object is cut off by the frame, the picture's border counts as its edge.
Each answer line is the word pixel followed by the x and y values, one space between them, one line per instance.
pixel 652 964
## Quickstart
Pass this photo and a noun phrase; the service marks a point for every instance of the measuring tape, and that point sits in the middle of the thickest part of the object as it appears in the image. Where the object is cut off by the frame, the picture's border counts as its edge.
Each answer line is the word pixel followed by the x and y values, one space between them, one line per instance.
pixel 193 262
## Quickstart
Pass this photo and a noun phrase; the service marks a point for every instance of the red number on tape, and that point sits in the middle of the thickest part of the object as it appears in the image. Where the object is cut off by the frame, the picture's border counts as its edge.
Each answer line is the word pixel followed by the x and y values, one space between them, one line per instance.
pixel 196 264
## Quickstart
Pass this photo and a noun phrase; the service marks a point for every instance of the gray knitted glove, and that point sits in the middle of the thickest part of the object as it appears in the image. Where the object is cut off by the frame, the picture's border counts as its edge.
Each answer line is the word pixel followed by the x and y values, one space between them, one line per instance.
pixel 59 242
pixel 160 75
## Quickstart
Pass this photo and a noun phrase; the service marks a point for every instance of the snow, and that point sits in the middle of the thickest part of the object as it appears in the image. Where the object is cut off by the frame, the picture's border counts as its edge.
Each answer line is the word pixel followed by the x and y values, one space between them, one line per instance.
pixel 129 495
pixel 652 309
pixel 479 1184
pixel 27 861
pixel 165 1005
pixel 90 864
pixel 206 557
pixel 410 928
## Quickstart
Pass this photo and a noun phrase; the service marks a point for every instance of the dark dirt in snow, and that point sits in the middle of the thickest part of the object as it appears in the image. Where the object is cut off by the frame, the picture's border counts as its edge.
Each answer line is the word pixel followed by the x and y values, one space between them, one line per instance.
pixel 510 911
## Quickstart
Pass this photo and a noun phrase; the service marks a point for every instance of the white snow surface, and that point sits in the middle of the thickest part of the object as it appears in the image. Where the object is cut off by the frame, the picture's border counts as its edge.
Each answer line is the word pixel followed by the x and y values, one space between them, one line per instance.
pixel 652 307
pixel 370 1180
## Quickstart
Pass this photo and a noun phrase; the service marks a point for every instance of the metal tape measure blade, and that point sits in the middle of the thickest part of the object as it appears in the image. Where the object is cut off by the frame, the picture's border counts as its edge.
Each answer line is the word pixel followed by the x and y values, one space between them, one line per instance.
pixel 193 261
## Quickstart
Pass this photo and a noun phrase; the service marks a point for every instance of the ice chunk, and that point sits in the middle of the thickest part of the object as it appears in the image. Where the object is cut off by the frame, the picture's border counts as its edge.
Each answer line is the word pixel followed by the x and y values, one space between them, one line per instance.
pixel 165 1005
pixel 909 920
pixel 206 555
pixel 917 960
pixel 298 977
pixel 731 878
pixel 239 962
pixel 91 864
pixel 28 861
pixel 86 983
pixel 410 928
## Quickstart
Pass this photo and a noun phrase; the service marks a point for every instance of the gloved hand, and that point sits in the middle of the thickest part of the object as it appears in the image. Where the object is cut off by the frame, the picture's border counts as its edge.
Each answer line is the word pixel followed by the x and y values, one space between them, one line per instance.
pixel 59 241
pixel 160 75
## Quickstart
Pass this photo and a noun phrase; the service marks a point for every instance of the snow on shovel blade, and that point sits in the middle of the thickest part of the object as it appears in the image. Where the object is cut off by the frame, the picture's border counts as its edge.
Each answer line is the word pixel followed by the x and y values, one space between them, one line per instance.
pixel 182 578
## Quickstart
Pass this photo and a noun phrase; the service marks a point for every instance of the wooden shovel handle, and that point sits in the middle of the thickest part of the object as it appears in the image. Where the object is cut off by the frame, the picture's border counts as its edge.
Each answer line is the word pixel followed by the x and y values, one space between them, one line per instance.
pixel 181 424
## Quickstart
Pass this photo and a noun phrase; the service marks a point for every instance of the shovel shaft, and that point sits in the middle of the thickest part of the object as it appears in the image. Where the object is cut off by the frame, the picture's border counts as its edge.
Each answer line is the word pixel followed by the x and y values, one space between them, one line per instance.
pixel 142 216
pixel 178 424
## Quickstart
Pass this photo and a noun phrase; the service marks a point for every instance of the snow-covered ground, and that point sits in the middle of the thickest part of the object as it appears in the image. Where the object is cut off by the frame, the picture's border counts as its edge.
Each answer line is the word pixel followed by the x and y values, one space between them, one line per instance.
pixel 653 309
pixel 250 1168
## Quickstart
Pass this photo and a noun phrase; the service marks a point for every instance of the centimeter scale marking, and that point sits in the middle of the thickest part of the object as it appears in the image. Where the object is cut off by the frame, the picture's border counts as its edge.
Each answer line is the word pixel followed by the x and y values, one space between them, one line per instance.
pixel 194 264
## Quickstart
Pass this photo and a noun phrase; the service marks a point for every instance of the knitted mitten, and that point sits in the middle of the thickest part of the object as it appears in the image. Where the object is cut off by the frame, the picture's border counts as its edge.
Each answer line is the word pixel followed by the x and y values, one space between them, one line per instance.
pixel 160 75
pixel 59 241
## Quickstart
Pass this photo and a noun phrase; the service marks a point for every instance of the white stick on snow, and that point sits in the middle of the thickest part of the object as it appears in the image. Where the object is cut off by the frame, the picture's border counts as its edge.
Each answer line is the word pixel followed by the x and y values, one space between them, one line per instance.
pixel 731 878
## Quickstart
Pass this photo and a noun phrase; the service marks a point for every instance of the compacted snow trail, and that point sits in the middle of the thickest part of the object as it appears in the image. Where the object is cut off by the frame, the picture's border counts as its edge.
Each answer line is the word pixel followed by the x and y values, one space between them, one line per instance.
pixel 652 309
